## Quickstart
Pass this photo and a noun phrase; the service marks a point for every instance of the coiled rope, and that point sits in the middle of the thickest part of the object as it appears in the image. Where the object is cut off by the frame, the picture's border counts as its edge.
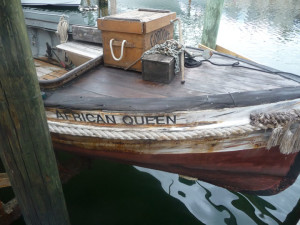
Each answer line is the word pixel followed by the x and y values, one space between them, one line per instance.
pixel 62 29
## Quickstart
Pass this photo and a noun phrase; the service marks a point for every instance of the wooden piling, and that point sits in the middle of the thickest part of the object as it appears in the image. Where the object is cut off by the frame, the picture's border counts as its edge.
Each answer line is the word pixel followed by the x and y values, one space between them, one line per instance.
pixel 213 12
pixel 25 145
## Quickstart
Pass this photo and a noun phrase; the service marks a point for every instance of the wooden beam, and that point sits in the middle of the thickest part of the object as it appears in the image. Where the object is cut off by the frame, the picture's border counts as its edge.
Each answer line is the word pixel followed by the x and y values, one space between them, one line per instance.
pixel 223 50
pixel 213 12
pixel 25 144
pixel 4 181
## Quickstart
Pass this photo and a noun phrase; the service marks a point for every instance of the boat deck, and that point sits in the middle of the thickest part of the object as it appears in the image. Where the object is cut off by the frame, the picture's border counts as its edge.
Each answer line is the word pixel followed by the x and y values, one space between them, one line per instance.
pixel 207 79
pixel 48 71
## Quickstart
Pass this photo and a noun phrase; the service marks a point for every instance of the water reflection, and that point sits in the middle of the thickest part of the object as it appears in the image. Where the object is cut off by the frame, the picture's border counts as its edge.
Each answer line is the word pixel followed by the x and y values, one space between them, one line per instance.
pixel 267 32
pixel 215 205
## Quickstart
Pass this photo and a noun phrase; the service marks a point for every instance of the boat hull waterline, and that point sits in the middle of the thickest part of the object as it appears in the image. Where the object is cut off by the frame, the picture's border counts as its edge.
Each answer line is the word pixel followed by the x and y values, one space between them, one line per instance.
pixel 214 145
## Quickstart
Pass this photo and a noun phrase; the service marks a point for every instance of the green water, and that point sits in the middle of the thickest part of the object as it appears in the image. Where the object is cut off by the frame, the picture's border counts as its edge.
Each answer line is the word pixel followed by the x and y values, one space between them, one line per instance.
pixel 112 193
pixel 109 193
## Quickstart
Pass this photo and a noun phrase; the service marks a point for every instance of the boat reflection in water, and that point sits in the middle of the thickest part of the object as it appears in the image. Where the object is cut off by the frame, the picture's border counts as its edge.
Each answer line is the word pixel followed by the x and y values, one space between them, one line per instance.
pixel 215 205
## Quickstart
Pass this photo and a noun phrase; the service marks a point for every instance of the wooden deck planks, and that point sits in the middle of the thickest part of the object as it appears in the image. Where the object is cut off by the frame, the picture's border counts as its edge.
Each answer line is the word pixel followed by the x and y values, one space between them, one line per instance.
pixel 207 79
pixel 112 82
pixel 47 71
pixel 4 180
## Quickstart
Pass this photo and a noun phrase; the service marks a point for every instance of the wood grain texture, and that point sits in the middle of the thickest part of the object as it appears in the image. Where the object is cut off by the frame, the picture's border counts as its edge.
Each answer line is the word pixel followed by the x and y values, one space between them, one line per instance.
pixel 4 180
pixel 213 11
pixel 87 50
pixel 88 34
pixel 258 171
pixel 136 21
pixel 26 149
pixel 206 87
pixel 48 71
pixel 135 46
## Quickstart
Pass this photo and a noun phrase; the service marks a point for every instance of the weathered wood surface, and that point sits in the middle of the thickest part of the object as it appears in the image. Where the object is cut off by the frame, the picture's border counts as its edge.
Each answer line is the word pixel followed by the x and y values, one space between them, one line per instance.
pixel 258 171
pixel 87 34
pixel 135 46
pixel 71 75
pixel 158 68
pixel 47 71
pixel 4 180
pixel 212 17
pixel 26 149
pixel 137 21
pixel 141 30
pixel 221 49
pixel 206 87
pixel 182 119
pixel 87 50
pixel 80 53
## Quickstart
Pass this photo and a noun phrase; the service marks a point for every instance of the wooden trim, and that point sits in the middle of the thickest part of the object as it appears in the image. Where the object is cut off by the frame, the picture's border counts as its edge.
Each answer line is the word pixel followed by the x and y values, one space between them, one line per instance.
pixel 221 49
pixel 71 75
pixel 135 27
pixel 87 34
pixel 159 23
pixel 219 101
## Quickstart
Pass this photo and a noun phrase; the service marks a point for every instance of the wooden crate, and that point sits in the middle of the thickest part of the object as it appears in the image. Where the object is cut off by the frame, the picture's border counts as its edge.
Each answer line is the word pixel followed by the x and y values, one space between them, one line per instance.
pixel 158 68
pixel 142 29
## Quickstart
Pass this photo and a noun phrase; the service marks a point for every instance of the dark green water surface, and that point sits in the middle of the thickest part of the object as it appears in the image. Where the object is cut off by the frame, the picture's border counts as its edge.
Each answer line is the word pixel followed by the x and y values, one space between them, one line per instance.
pixel 112 193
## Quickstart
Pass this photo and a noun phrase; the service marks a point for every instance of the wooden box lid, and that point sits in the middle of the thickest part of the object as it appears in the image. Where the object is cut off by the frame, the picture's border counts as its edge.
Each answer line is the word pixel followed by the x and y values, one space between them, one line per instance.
pixel 139 21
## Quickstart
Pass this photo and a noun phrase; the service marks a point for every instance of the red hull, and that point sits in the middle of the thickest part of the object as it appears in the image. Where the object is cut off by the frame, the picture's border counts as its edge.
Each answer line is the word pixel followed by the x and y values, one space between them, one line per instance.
pixel 259 171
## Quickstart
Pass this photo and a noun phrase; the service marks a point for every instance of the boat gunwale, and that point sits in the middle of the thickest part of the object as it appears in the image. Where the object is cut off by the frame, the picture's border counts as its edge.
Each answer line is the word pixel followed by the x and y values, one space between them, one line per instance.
pixel 70 75
pixel 205 102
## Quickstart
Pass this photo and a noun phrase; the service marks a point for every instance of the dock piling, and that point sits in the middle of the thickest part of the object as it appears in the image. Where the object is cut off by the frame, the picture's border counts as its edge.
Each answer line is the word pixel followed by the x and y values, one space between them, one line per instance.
pixel 25 144
pixel 212 17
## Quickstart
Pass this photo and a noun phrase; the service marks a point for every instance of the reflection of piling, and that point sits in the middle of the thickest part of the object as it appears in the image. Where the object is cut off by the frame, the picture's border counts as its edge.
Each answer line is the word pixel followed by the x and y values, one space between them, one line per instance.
pixel 113 7
pixel 212 19
pixel 103 8
pixel 25 144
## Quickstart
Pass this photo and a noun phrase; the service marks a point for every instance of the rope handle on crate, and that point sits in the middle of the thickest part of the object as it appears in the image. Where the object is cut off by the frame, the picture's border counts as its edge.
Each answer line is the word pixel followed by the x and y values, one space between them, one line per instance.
pixel 112 51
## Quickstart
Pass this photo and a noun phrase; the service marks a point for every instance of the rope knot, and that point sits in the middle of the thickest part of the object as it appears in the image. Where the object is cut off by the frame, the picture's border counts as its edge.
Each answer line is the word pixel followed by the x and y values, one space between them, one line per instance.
pixel 281 123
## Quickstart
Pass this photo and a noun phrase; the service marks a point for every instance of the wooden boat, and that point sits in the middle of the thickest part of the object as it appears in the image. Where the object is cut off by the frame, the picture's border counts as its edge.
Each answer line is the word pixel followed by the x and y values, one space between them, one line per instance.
pixel 233 123
pixel 201 129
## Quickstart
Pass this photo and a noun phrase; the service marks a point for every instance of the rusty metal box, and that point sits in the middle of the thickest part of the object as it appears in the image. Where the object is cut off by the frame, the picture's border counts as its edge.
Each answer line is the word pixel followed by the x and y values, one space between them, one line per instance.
pixel 142 29
pixel 158 68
